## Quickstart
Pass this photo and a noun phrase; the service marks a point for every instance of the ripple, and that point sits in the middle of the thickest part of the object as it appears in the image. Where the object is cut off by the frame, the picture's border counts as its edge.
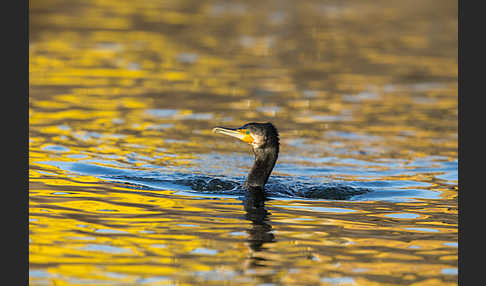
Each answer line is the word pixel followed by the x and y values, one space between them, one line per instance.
pixel 318 209
pixel 421 229
pixel 338 280
pixel 188 225
pixel 449 271
pixel 177 114
pixel 162 112
pixel 39 273
pixel 403 215
pixel 106 230
pixel 278 186
pixel 453 244
pixel 56 148
pixel 216 275
pixel 205 251
pixel 151 280
pixel 187 58
pixel 238 233
pixel 105 248
pixel 87 168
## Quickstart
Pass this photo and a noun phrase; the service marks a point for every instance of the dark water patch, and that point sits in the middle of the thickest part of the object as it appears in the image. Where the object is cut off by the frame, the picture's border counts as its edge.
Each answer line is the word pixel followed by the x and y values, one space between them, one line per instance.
pixel 276 188
pixel 280 187
pixel 301 187
pixel 200 184
pixel 87 168
pixel 319 209
pixel 399 195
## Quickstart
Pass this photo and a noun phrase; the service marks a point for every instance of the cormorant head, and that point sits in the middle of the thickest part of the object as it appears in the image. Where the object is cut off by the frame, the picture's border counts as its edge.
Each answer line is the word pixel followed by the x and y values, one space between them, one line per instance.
pixel 259 135
pixel 263 137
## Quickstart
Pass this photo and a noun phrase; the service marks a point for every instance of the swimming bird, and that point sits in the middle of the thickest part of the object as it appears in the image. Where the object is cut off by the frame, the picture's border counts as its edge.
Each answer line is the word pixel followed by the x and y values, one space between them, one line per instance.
pixel 263 137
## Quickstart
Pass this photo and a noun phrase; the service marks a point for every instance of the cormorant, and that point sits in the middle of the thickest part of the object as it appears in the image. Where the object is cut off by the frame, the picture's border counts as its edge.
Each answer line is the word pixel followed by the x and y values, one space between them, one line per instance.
pixel 263 137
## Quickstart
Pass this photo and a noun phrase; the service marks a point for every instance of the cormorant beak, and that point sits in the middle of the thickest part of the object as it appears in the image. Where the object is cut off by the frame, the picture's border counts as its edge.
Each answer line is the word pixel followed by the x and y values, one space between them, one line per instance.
pixel 242 134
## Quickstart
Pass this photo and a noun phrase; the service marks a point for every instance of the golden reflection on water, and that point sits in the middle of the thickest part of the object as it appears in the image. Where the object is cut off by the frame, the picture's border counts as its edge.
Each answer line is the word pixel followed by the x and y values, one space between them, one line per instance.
pixel 366 90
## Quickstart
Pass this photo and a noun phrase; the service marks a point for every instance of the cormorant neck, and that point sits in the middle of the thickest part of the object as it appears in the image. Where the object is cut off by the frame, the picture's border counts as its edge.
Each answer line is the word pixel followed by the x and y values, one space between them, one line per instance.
pixel 265 159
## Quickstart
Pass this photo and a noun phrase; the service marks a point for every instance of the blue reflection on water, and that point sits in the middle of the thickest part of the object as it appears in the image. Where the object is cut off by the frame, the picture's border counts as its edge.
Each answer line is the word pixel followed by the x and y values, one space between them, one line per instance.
pixel 377 176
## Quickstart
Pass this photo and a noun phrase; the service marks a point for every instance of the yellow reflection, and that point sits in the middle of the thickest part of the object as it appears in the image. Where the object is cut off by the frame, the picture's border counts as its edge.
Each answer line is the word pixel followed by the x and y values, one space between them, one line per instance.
pixel 368 83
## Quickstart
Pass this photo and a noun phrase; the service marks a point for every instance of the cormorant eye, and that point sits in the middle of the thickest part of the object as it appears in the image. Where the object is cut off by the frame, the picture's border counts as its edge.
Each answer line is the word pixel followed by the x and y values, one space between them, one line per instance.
pixel 247 132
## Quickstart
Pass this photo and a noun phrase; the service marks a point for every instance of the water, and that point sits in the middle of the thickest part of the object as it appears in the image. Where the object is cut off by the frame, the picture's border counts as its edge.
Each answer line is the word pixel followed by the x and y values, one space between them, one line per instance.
pixel 128 186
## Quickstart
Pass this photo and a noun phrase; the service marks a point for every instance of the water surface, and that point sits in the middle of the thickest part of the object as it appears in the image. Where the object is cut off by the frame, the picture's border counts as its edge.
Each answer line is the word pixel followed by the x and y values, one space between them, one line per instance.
pixel 123 96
